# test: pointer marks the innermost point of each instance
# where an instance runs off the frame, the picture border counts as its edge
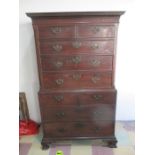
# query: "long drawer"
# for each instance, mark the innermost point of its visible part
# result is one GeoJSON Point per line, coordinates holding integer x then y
{"type": "Point", "coordinates": [85, 97]}
{"type": "Point", "coordinates": [79, 129]}
{"type": "Point", "coordinates": [105, 47]}
{"type": "Point", "coordinates": [76, 80]}
{"type": "Point", "coordinates": [76, 62]}
{"type": "Point", "coordinates": [78, 112]}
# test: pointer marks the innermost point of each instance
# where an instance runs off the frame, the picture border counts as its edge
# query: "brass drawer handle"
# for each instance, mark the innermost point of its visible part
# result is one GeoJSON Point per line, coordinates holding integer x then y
{"type": "Point", "coordinates": [57, 47]}
{"type": "Point", "coordinates": [59, 81]}
{"type": "Point", "coordinates": [60, 114]}
{"type": "Point", "coordinates": [95, 29]}
{"type": "Point", "coordinates": [98, 113]}
{"type": "Point", "coordinates": [97, 97]}
{"type": "Point", "coordinates": [61, 130]}
{"type": "Point", "coordinates": [58, 64]}
{"type": "Point", "coordinates": [95, 46]}
{"type": "Point", "coordinates": [58, 98]}
{"type": "Point", "coordinates": [76, 59]}
{"type": "Point", "coordinates": [96, 62]}
{"type": "Point", "coordinates": [76, 44]}
{"type": "Point", "coordinates": [97, 129]}
{"type": "Point", "coordinates": [56, 29]}
{"type": "Point", "coordinates": [95, 79]}
{"type": "Point", "coordinates": [79, 125]}
{"type": "Point", "coordinates": [76, 76]}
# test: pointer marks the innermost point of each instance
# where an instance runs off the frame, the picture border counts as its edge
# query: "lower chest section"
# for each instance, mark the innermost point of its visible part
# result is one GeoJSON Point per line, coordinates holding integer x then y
{"type": "Point", "coordinates": [78, 114]}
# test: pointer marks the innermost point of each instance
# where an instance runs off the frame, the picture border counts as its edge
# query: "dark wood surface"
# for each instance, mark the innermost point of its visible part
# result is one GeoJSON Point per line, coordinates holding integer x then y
{"type": "Point", "coordinates": [76, 62]}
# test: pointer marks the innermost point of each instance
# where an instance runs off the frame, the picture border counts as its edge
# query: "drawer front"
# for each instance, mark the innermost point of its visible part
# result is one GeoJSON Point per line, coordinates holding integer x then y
{"type": "Point", "coordinates": [79, 112]}
{"type": "Point", "coordinates": [75, 80]}
{"type": "Point", "coordinates": [79, 129]}
{"type": "Point", "coordinates": [57, 31]}
{"type": "Point", "coordinates": [75, 62]}
{"type": "Point", "coordinates": [102, 31]}
{"type": "Point", "coordinates": [71, 47]}
{"type": "Point", "coordinates": [70, 98]}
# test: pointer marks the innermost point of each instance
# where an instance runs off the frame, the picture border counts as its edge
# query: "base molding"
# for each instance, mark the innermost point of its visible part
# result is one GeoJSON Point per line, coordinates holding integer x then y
{"type": "Point", "coordinates": [111, 141]}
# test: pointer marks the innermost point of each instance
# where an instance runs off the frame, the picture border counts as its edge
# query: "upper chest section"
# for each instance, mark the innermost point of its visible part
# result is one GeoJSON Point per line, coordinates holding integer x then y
{"type": "Point", "coordinates": [75, 25]}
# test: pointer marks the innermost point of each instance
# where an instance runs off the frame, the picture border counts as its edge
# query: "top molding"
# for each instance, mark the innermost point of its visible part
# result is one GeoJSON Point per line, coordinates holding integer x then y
{"type": "Point", "coordinates": [69, 14]}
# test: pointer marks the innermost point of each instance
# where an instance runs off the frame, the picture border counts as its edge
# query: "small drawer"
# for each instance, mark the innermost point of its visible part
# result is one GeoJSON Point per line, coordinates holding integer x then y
{"type": "Point", "coordinates": [73, 98]}
{"type": "Point", "coordinates": [105, 47]}
{"type": "Point", "coordinates": [79, 129]}
{"type": "Point", "coordinates": [98, 31]}
{"type": "Point", "coordinates": [56, 31]}
{"type": "Point", "coordinates": [76, 62]}
{"type": "Point", "coordinates": [79, 112]}
{"type": "Point", "coordinates": [76, 80]}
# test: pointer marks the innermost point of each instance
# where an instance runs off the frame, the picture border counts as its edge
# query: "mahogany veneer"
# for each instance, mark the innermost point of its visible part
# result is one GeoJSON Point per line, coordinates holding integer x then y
{"type": "Point", "coordinates": [76, 62]}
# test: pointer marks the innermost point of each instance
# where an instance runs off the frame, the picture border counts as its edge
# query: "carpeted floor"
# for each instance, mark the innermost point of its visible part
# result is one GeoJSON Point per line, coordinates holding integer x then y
{"type": "Point", "coordinates": [30, 145]}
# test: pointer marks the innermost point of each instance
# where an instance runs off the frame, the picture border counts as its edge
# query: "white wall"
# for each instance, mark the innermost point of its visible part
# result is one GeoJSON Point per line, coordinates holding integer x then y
{"type": "Point", "coordinates": [125, 61]}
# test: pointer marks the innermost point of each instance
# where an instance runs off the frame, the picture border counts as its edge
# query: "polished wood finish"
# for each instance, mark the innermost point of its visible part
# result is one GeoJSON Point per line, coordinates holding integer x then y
{"type": "Point", "coordinates": [76, 63]}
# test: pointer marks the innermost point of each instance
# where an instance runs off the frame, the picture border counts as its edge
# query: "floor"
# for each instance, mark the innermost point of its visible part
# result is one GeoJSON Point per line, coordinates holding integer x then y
{"type": "Point", "coordinates": [30, 145]}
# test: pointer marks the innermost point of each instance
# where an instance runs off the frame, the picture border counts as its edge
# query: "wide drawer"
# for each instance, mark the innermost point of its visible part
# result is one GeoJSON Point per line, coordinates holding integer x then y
{"type": "Point", "coordinates": [78, 112]}
{"type": "Point", "coordinates": [79, 129]}
{"type": "Point", "coordinates": [61, 98]}
{"type": "Point", "coordinates": [105, 47]}
{"type": "Point", "coordinates": [75, 62]}
{"type": "Point", "coordinates": [76, 80]}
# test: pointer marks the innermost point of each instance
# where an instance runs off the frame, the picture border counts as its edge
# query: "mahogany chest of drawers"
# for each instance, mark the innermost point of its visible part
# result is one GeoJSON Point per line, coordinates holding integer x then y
{"type": "Point", "coordinates": [76, 62]}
